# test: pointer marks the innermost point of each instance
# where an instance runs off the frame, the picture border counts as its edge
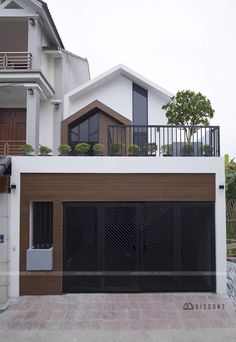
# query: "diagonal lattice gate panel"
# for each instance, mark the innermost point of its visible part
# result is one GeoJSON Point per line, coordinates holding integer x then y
{"type": "Point", "coordinates": [197, 247]}
{"type": "Point", "coordinates": [80, 248]}
{"type": "Point", "coordinates": [158, 247]}
{"type": "Point", "coordinates": [117, 247]}
{"type": "Point", "coordinates": [120, 248]}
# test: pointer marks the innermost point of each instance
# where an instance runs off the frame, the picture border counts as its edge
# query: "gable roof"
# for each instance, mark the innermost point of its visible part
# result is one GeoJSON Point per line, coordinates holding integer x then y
{"type": "Point", "coordinates": [45, 9]}
{"type": "Point", "coordinates": [118, 70]}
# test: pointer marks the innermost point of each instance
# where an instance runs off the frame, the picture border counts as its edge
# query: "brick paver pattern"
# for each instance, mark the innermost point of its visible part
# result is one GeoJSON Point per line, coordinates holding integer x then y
{"type": "Point", "coordinates": [137, 312]}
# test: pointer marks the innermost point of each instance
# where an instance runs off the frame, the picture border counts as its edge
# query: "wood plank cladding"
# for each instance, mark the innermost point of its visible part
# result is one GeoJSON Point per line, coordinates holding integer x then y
{"type": "Point", "coordinates": [61, 188]}
{"type": "Point", "coordinates": [100, 107]}
{"type": "Point", "coordinates": [4, 184]}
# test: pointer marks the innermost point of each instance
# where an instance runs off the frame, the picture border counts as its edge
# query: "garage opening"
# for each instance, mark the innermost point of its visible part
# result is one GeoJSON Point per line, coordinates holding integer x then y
{"type": "Point", "coordinates": [139, 247]}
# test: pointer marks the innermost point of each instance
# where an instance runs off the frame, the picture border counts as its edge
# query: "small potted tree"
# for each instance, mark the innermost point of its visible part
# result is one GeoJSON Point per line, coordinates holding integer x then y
{"type": "Point", "coordinates": [26, 149]}
{"type": "Point", "coordinates": [64, 149]}
{"type": "Point", "coordinates": [82, 149]}
{"type": "Point", "coordinates": [133, 150]}
{"type": "Point", "coordinates": [98, 150]}
{"type": "Point", "coordinates": [167, 150]}
{"type": "Point", "coordinates": [187, 150]}
{"type": "Point", "coordinates": [207, 150]}
{"type": "Point", "coordinates": [116, 149]}
{"type": "Point", "coordinates": [44, 150]}
{"type": "Point", "coordinates": [150, 148]}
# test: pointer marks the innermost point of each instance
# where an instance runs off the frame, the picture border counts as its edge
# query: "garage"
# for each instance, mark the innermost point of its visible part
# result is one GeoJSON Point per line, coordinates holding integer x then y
{"type": "Point", "coordinates": [138, 247]}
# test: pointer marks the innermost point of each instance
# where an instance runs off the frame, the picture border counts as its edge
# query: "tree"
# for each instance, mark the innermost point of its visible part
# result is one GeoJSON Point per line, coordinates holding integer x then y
{"type": "Point", "coordinates": [188, 108]}
{"type": "Point", "coordinates": [230, 178]}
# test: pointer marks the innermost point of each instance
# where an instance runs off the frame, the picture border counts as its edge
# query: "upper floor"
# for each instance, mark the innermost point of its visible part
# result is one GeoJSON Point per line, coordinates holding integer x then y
{"type": "Point", "coordinates": [47, 97]}
{"type": "Point", "coordinates": [31, 48]}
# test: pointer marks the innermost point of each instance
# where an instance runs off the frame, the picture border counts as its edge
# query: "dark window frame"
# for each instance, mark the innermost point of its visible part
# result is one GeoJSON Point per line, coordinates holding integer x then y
{"type": "Point", "coordinates": [141, 91]}
{"type": "Point", "coordinates": [77, 123]}
{"type": "Point", "coordinates": [140, 134]}
{"type": "Point", "coordinates": [42, 224]}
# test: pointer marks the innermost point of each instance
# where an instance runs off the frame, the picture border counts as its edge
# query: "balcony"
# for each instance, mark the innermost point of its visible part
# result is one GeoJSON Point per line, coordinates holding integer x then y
{"type": "Point", "coordinates": [11, 148]}
{"type": "Point", "coordinates": [164, 141]}
{"type": "Point", "coordinates": [15, 61]}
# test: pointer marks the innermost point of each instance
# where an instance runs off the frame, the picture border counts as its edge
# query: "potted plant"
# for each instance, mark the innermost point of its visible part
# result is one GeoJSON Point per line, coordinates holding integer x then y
{"type": "Point", "coordinates": [150, 148]}
{"type": "Point", "coordinates": [187, 150]}
{"type": "Point", "coordinates": [167, 150]}
{"type": "Point", "coordinates": [82, 149]}
{"type": "Point", "coordinates": [133, 149]}
{"type": "Point", "coordinates": [64, 149]}
{"type": "Point", "coordinates": [26, 149]}
{"type": "Point", "coordinates": [117, 148]}
{"type": "Point", "coordinates": [44, 150]}
{"type": "Point", "coordinates": [98, 150]}
{"type": "Point", "coordinates": [207, 150]}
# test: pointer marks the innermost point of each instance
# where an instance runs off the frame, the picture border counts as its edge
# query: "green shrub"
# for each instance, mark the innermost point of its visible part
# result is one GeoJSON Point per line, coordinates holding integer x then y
{"type": "Point", "coordinates": [44, 150]}
{"type": "Point", "coordinates": [117, 148]}
{"type": "Point", "coordinates": [64, 149]}
{"type": "Point", "coordinates": [26, 149]}
{"type": "Point", "coordinates": [167, 149]}
{"type": "Point", "coordinates": [133, 149]}
{"type": "Point", "coordinates": [150, 148]}
{"type": "Point", "coordinates": [82, 148]}
{"type": "Point", "coordinates": [98, 149]}
{"type": "Point", "coordinates": [207, 150]}
{"type": "Point", "coordinates": [187, 150]}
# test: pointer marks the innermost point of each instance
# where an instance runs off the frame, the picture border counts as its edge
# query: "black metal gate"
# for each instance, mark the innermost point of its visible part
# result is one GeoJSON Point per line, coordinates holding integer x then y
{"type": "Point", "coordinates": [138, 247]}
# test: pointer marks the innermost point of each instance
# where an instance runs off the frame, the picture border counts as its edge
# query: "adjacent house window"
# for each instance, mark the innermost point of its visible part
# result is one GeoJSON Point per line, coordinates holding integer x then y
{"type": "Point", "coordinates": [140, 115]}
{"type": "Point", "coordinates": [42, 225]}
{"type": "Point", "coordinates": [86, 130]}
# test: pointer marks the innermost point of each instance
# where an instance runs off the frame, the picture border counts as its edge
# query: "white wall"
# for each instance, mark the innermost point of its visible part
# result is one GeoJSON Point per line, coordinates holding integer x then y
{"type": "Point", "coordinates": [116, 94]}
{"type": "Point", "coordinates": [46, 117]}
{"type": "Point", "coordinates": [156, 116]}
{"type": "Point", "coordinates": [4, 248]}
{"type": "Point", "coordinates": [119, 165]}
{"type": "Point", "coordinates": [75, 71]}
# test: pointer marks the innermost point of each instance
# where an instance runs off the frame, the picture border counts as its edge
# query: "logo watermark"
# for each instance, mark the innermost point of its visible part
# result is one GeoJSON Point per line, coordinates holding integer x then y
{"type": "Point", "coordinates": [206, 306]}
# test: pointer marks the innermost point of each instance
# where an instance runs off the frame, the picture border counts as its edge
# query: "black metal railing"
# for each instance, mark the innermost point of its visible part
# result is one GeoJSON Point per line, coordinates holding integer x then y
{"type": "Point", "coordinates": [166, 140]}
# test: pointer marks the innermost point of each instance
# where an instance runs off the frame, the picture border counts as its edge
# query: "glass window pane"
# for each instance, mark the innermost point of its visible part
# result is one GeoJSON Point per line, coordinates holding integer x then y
{"type": "Point", "coordinates": [84, 127]}
{"type": "Point", "coordinates": [93, 124]}
{"type": "Point", "coordinates": [140, 112]}
{"type": "Point", "coordinates": [86, 131]}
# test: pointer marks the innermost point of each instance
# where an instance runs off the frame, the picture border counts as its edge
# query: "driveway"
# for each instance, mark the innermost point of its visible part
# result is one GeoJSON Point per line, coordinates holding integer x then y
{"type": "Point", "coordinates": [120, 317]}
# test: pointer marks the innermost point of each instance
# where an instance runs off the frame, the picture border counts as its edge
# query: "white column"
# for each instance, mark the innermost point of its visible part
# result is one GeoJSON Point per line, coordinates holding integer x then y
{"type": "Point", "coordinates": [34, 43]}
{"type": "Point", "coordinates": [57, 128]}
{"type": "Point", "coordinates": [32, 119]}
{"type": "Point", "coordinates": [220, 231]}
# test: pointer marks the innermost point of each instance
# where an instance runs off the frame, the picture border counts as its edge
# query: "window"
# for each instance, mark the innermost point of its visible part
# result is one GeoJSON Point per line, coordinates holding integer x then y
{"type": "Point", "coordinates": [85, 131]}
{"type": "Point", "coordinates": [42, 225]}
{"type": "Point", "coordinates": [13, 5]}
{"type": "Point", "coordinates": [140, 115]}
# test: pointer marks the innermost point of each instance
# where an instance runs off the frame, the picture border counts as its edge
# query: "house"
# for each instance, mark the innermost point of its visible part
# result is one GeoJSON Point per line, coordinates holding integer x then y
{"type": "Point", "coordinates": [143, 217]}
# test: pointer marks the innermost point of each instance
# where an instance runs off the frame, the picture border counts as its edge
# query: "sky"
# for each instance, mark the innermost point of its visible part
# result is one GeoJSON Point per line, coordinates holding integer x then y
{"type": "Point", "coordinates": [178, 44]}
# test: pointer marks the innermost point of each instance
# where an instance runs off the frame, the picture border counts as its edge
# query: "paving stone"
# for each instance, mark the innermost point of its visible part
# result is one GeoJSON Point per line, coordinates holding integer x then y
{"type": "Point", "coordinates": [117, 312]}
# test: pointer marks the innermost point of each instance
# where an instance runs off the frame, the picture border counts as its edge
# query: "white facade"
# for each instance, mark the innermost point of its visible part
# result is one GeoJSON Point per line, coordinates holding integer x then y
{"type": "Point", "coordinates": [61, 86]}
{"type": "Point", "coordinates": [118, 165]}
{"type": "Point", "coordinates": [114, 89]}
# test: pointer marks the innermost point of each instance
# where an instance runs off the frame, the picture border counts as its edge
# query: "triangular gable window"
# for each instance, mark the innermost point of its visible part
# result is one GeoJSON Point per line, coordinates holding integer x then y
{"type": "Point", "coordinates": [13, 5]}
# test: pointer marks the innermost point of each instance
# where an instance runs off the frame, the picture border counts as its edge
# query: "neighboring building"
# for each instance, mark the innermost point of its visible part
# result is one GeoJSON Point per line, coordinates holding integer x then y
{"type": "Point", "coordinates": [143, 217]}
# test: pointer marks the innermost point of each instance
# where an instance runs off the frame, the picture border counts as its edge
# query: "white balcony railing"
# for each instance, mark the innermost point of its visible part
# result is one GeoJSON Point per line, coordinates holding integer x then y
{"type": "Point", "coordinates": [15, 60]}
